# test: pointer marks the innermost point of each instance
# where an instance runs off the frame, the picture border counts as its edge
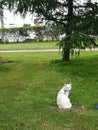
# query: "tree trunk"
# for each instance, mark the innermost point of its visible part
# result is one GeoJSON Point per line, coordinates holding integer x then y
{"type": "Point", "coordinates": [66, 55]}
{"type": "Point", "coordinates": [2, 25]}
{"type": "Point", "coordinates": [66, 52]}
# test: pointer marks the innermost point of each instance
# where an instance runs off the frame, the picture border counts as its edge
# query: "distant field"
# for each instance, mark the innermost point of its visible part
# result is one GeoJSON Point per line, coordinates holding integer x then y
{"type": "Point", "coordinates": [28, 88]}
{"type": "Point", "coordinates": [29, 46]}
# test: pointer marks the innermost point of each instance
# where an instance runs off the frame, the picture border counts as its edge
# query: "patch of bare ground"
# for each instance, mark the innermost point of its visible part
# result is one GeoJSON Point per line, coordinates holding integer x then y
{"type": "Point", "coordinates": [77, 109]}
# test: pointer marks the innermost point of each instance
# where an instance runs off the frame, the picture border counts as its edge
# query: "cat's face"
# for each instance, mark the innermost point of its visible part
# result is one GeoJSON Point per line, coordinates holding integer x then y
{"type": "Point", "coordinates": [67, 87]}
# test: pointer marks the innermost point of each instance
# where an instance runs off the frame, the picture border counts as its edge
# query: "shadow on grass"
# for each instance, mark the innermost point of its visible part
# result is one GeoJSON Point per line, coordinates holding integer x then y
{"type": "Point", "coordinates": [84, 67]}
{"type": "Point", "coordinates": [5, 61]}
{"type": "Point", "coordinates": [4, 65]}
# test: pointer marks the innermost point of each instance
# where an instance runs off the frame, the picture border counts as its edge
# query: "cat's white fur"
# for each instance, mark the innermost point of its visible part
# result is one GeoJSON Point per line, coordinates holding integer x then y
{"type": "Point", "coordinates": [63, 100]}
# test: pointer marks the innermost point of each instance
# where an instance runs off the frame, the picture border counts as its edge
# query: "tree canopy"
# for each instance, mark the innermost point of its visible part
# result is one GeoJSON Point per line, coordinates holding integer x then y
{"type": "Point", "coordinates": [79, 18]}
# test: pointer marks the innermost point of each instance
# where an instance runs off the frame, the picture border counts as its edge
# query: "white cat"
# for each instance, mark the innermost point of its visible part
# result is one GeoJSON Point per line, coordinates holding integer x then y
{"type": "Point", "coordinates": [63, 100]}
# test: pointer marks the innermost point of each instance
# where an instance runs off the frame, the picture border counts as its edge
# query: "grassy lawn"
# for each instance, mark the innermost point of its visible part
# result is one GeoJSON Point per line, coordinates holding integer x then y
{"type": "Point", "coordinates": [29, 85]}
{"type": "Point", "coordinates": [29, 46]}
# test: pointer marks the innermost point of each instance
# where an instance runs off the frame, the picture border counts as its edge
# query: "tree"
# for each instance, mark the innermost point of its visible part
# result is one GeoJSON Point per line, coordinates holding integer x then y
{"type": "Point", "coordinates": [78, 18]}
{"type": "Point", "coordinates": [2, 21]}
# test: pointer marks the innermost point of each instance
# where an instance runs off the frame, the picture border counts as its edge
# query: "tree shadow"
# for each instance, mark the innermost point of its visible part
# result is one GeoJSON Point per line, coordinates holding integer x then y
{"type": "Point", "coordinates": [84, 67]}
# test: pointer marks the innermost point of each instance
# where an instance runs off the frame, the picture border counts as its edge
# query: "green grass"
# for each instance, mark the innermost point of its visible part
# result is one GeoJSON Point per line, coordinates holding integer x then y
{"type": "Point", "coordinates": [29, 46]}
{"type": "Point", "coordinates": [29, 85]}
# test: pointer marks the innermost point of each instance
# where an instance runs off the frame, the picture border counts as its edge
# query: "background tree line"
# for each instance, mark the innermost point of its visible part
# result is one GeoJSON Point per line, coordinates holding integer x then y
{"type": "Point", "coordinates": [23, 33]}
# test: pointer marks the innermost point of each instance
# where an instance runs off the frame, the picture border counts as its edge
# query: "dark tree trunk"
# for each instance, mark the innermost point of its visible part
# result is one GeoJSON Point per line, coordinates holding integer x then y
{"type": "Point", "coordinates": [66, 55]}
{"type": "Point", "coordinates": [66, 52]}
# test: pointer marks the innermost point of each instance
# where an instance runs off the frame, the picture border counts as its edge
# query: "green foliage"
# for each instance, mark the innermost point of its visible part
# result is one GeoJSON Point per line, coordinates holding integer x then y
{"type": "Point", "coordinates": [91, 18]}
{"type": "Point", "coordinates": [76, 42]}
{"type": "Point", "coordinates": [21, 29]}
{"type": "Point", "coordinates": [79, 41]}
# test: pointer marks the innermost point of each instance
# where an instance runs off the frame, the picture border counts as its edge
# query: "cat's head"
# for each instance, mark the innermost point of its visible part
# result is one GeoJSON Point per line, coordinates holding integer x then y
{"type": "Point", "coordinates": [67, 87]}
